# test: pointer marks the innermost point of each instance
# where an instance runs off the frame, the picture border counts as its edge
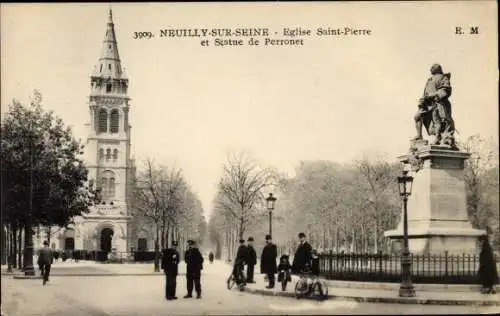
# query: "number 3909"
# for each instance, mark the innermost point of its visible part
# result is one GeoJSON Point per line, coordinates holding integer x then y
{"type": "Point", "coordinates": [139, 35]}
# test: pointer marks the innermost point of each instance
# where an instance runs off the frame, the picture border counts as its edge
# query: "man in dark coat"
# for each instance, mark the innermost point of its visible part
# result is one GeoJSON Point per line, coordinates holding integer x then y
{"type": "Point", "coordinates": [251, 260]}
{"type": "Point", "coordinates": [268, 261]}
{"type": "Point", "coordinates": [303, 255]}
{"type": "Point", "coordinates": [194, 265]}
{"type": "Point", "coordinates": [241, 257]}
{"type": "Point", "coordinates": [170, 264]}
{"type": "Point", "coordinates": [488, 274]}
{"type": "Point", "coordinates": [45, 259]}
{"type": "Point", "coordinates": [241, 254]}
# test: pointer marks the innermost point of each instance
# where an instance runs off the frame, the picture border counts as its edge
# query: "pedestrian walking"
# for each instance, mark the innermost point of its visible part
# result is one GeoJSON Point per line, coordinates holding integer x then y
{"type": "Point", "coordinates": [251, 260]}
{"type": "Point", "coordinates": [303, 255]}
{"type": "Point", "coordinates": [211, 257]}
{"type": "Point", "coordinates": [170, 265]}
{"type": "Point", "coordinates": [194, 265]}
{"type": "Point", "coordinates": [488, 274]}
{"type": "Point", "coordinates": [268, 261]}
{"type": "Point", "coordinates": [45, 260]}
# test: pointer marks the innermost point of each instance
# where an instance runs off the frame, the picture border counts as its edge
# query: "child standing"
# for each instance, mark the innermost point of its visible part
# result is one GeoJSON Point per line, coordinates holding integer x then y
{"type": "Point", "coordinates": [284, 271]}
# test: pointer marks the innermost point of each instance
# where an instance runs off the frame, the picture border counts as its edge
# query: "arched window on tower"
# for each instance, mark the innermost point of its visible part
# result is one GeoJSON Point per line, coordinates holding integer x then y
{"type": "Point", "coordinates": [103, 121]}
{"type": "Point", "coordinates": [103, 188]}
{"type": "Point", "coordinates": [115, 121]}
{"type": "Point", "coordinates": [115, 154]}
{"type": "Point", "coordinates": [108, 154]}
{"type": "Point", "coordinates": [108, 184]}
{"type": "Point", "coordinates": [111, 187]}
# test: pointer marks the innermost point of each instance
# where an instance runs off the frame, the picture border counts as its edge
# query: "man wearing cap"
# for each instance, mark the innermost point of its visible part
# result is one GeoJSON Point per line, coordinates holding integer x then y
{"type": "Point", "coordinates": [251, 260]}
{"type": "Point", "coordinates": [169, 264]}
{"type": "Point", "coordinates": [303, 255]}
{"type": "Point", "coordinates": [194, 265]}
{"type": "Point", "coordinates": [268, 261]}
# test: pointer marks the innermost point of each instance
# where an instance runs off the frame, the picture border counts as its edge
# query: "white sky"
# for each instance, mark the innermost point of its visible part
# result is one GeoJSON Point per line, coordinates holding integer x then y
{"type": "Point", "coordinates": [332, 99]}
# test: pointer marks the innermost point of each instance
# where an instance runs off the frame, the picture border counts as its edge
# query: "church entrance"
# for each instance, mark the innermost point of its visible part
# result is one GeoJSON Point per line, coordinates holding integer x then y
{"type": "Point", "coordinates": [106, 238]}
{"type": "Point", "coordinates": [142, 244]}
{"type": "Point", "coordinates": [69, 243]}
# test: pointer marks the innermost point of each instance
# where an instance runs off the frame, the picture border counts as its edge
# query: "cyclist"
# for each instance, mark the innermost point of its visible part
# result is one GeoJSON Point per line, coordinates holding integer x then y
{"type": "Point", "coordinates": [238, 271]}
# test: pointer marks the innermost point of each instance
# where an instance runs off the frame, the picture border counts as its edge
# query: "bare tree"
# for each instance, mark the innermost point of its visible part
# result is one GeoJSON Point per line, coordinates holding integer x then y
{"type": "Point", "coordinates": [481, 177]}
{"type": "Point", "coordinates": [241, 188]}
{"type": "Point", "coordinates": [379, 179]}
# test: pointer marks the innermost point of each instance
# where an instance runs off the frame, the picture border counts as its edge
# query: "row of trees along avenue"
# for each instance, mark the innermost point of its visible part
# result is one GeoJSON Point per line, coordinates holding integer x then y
{"type": "Point", "coordinates": [165, 201]}
{"type": "Point", "coordinates": [342, 207]}
{"type": "Point", "coordinates": [43, 177]}
{"type": "Point", "coordinates": [239, 208]}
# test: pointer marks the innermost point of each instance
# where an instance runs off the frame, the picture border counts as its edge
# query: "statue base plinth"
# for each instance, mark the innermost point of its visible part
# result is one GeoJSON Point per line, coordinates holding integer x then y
{"type": "Point", "coordinates": [437, 208]}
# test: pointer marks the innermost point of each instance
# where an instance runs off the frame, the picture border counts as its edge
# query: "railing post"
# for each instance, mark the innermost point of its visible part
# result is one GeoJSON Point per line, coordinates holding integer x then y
{"type": "Point", "coordinates": [380, 262]}
{"type": "Point", "coordinates": [463, 264]}
{"type": "Point", "coordinates": [330, 259]}
{"type": "Point", "coordinates": [446, 263]}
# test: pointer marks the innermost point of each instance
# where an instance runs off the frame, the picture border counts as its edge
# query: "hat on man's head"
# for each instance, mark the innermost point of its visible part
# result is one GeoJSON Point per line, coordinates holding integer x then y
{"type": "Point", "coordinates": [175, 243]}
{"type": "Point", "coordinates": [268, 237]}
{"type": "Point", "coordinates": [242, 241]}
{"type": "Point", "coordinates": [250, 238]}
{"type": "Point", "coordinates": [302, 235]}
{"type": "Point", "coordinates": [45, 243]}
{"type": "Point", "coordinates": [190, 242]}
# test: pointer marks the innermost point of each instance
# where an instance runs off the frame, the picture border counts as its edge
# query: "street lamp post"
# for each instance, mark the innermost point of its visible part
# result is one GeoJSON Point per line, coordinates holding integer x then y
{"type": "Point", "coordinates": [406, 288]}
{"type": "Point", "coordinates": [270, 206]}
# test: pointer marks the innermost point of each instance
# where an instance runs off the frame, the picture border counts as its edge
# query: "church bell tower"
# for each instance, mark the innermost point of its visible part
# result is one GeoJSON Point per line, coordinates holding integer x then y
{"type": "Point", "coordinates": [108, 150]}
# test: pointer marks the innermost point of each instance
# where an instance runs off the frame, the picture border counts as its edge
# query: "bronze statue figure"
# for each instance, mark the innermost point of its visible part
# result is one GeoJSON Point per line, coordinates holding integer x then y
{"type": "Point", "coordinates": [434, 109]}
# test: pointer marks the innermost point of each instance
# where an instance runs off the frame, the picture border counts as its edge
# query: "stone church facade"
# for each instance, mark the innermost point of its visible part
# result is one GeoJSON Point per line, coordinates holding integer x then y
{"type": "Point", "coordinates": [109, 226]}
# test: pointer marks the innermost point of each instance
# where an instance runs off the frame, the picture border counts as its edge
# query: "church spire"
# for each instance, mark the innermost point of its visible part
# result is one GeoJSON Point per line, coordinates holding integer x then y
{"type": "Point", "coordinates": [109, 61]}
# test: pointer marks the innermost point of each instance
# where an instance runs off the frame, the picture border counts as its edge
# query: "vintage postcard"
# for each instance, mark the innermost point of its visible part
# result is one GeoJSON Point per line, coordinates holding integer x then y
{"type": "Point", "coordinates": [250, 158]}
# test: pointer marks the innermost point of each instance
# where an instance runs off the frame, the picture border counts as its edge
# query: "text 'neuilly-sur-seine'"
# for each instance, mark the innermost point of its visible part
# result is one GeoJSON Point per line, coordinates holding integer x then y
{"type": "Point", "coordinates": [231, 37]}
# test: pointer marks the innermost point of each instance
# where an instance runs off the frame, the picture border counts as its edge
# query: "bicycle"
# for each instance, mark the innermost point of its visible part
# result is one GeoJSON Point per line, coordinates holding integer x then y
{"type": "Point", "coordinates": [231, 281]}
{"type": "Point", "coordinates": [310, 285]}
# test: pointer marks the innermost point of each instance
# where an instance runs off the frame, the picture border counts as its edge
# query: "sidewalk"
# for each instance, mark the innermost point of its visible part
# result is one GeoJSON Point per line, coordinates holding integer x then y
{"type": "Point", "coordinates": [376, 292]}
{"type": "Point", "coordinates": [90, 268]}
{"type": "Point", "coordinates": [367, 295]}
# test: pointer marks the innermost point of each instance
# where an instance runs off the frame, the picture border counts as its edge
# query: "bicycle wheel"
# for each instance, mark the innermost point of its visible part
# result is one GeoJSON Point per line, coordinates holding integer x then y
{"type": "Point", "coordinates": [241, 287]}
{"type": "Point", "coordinates": [320, 290]}
{"type": "Point", "coordinates": [230, 282]}
{"type": "Point", "coordinates": [301, 287]}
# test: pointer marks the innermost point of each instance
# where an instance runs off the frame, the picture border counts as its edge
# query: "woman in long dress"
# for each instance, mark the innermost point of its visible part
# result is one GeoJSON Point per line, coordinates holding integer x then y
{"type": "Point", "coordinates": [488, 274]}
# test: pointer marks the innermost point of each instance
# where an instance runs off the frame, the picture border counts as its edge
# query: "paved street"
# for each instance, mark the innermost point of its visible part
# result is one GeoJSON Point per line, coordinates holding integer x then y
{"type": "Point", "coordinates": [143, 295]}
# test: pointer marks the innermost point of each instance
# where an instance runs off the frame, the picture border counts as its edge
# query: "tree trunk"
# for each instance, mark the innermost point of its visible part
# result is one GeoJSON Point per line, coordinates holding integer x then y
{"type": "Point", "coordinates": [157, 248]}
{"type": "Point", "coordinates": [49, 233]}
{"type": "Point", "coordinates": [337, 237]}
{"type": "Point", "coordinates": [167, 236]}
{"type": "Point", "coordinates": [242, 227]}
{"type": "Point", "coordinates": [162, 234]}
{"type": "Point", "coordinates": [20, 242]}
{"type": "Point", "coordinates": [13, 236]}
{"type": "Point", "coordinates": [375, 236]}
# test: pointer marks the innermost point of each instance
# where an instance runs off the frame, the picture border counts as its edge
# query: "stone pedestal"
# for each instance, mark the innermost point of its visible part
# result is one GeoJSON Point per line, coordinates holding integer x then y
{"type": "Point", "coordinates": [437, 207]}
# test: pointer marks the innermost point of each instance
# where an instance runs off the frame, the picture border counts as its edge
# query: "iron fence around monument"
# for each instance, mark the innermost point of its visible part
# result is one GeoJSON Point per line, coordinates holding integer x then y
{"type": "Point", "coordinates": [380, 267]}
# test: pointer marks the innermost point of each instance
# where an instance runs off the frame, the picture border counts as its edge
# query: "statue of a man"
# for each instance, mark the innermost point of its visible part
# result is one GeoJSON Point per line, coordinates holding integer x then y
{"type": "Point", "coordinates": [434, 109]}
